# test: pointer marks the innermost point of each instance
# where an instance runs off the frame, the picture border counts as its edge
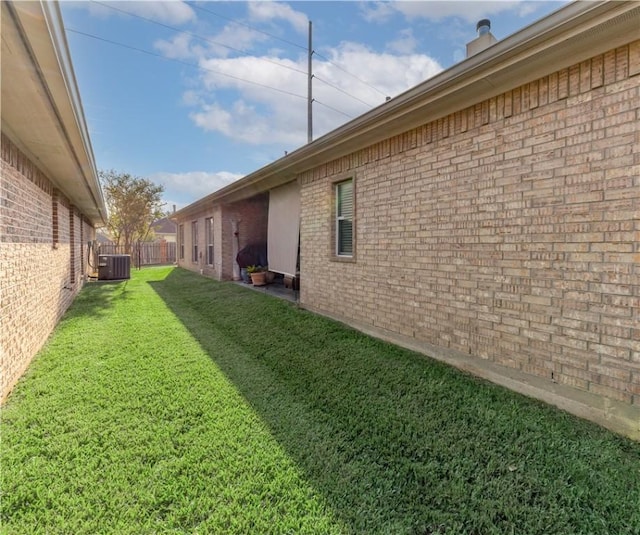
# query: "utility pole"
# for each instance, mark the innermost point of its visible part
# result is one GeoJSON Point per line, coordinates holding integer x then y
{"type": "Point", "coordinates": [309, 93]}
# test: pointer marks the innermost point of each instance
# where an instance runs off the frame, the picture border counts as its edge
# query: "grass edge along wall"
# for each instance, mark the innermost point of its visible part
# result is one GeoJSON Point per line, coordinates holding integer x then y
{"type": "Point", "coordinates": [43, 260]}
{"type": "Point", "coordinates": [50, 196]}
{"type": "Point", "coordinates": [505, 235]}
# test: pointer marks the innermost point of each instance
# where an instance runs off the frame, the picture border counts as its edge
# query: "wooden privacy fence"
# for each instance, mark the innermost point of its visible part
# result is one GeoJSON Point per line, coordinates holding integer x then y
{"type": "Point", "coordinates": [143, 254]}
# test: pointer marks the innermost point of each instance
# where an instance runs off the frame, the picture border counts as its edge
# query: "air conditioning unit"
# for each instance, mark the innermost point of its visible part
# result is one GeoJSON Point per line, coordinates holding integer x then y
{"type": "Point", "coordinates": [114, 267]}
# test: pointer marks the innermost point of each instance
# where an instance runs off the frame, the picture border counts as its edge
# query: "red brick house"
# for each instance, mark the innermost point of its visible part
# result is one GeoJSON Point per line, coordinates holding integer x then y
{"type": "Point", "coordinates": [50, 197]}
{"type": "Point", "coordinates": [489, 217]}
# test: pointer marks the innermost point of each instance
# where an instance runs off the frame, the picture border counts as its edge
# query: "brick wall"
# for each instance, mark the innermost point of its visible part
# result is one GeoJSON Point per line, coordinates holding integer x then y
{"type": "Point", "coordinates": [36, 282]}
{"type": "Point", "coordinates": [249, 217]}
{"type": "Point", "coordinates": [228, 242]}
{"type": "Point", "coordinates": [188, 262]}
{"type": "Point", "coordinates": [508, 231]}
{"type": "Point", "coordinates": [252, 216]}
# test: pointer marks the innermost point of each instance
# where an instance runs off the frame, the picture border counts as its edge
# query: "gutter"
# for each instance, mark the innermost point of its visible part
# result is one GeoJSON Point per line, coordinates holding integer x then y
{"type": "Point", "coordinates": [55, 24]}
{"type": "Point", "coordinates": [52, 18]}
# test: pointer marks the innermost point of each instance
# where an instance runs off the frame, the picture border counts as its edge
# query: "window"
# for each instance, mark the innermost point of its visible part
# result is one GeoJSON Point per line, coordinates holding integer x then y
{"type": "Point", "coordinates": [181, 241]}
{"type": "Point", "coordinates": [344, 218]}
{"type": "Point", "coordinates": [194, 241]}
{"type": "Point", "coordinates": [208, 229]}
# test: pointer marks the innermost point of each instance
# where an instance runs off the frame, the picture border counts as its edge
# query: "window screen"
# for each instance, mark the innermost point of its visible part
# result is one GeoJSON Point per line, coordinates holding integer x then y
{"type": "Point", "coordinates": [344, 218]}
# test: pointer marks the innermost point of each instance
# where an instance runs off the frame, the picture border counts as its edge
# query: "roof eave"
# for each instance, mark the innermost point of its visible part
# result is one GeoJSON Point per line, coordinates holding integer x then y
{"type": "Point", "coordinates": [42, 110]}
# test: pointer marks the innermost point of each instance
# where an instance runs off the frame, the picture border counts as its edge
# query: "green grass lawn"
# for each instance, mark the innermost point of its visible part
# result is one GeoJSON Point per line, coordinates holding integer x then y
{"type": "Point", "coordinates": [175, 404]}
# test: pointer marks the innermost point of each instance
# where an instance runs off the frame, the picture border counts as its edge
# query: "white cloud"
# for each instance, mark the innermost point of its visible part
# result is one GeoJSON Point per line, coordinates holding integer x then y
{"type": "Point", "coordinates": [262, 99]}
{"type": "Point", "coordinates": [184, 188]}
{"type": "Point", "coordinates": [406, 43]}
{"type": "Point", "coordinates": [256, 114]}
{"type": "Point", "coordinates": [390, 73]}
{"type": "Point", "coordinates": [236, 38]}
{"type": "Point", "coordinates": [468, 10]}
{"type": "Point", "coordinates": [242, 122]}
{"type": "Point", "coordinates": [174, 12]}
{"type": "Point", "coordinates": [232, 39]}
{"type": "Point", "coordinates": [248, 73]}
{"type": "Point", "coordinates": [177, 48]}
{"type": "Point", "coordinates": [259, 115]}
{"type": "Point", "coordinates": [212, 118]}
{"type": "Point", "coordinates": [191, 98]}
{"type": "Point", "coordinates": [377, 11]}
{"type": "Point", "coordinates": [269, 11]}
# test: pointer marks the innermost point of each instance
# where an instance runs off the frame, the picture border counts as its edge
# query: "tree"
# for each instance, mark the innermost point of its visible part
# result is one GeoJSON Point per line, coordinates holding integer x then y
{"type": "Point", "coordinates": [134, 203]}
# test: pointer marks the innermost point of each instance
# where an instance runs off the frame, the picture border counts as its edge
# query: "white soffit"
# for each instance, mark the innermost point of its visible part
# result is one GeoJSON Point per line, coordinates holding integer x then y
{"type": "Point", "coordinates": [41, 109]}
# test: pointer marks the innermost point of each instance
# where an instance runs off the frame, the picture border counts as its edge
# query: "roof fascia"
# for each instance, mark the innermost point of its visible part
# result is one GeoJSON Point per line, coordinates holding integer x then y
{"type": "Point", "coordinates": [59, 87]}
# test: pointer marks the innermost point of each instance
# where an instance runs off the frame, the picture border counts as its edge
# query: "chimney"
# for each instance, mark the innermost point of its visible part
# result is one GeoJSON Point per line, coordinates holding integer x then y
{"type": "Point", "coordinates": [484, 40]}
{"type": "Point", "coordinates": [174, 208]}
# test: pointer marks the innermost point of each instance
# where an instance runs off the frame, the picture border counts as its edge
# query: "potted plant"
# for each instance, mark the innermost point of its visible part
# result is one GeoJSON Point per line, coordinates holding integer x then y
{"type": "Point", "coordinates": [257, 274]}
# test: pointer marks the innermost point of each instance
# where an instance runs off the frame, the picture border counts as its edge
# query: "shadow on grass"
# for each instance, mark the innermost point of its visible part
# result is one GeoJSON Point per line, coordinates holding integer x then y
{"type": "Point", "coordinates": [398, 443]}
{"type": "Point", "coordinates": [98, 297]}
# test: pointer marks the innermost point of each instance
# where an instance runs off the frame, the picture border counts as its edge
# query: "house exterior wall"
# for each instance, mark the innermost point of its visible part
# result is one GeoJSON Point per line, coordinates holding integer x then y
{"type": "Point", "coordinates": [189, 262]}
{"type": "Point", "coordinates": [226, 238]}
{"type": "Point", "coordinates": [42, 264]}
{"type": "Point", "coordinates": [248, 217]}
{"type": "Point", "coordinates": [507, 232]}
{"type": "Point", "coordinates": [252, 216]}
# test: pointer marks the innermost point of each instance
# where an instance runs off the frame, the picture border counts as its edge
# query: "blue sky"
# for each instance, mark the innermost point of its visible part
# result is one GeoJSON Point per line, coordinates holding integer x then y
{"type": "Point", "coordinates": [194, 95]}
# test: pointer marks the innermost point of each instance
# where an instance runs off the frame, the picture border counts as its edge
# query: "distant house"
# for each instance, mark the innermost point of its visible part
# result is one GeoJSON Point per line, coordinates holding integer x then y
{"type": "Point", "coordinates": [165, 229]}
{"type": "Point", "coordinates": [487, 217]}
{"type": "Point", "coordinates": [50, 197]}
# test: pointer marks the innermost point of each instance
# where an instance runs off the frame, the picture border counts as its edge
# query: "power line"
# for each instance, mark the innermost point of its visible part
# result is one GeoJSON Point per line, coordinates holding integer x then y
{"type": "Point", "coordinates": [350, 74]}
{"type": "Point", "coordinates": [292, 44]}
{"type": "Point", "coordinates": [186, 32]}
{"type": "Point", "coordinates": [192, 4]}
{"type": "Point", "coordinates": [197, 66]}
{"type": "Point", "coordinates": [343, 91]}
{"type": "Point", "coordinates": [177, 30]}
{"type": "Point", "coordinates": [141, 50]}
{"type": "Point", "coordinates": [332, 108]}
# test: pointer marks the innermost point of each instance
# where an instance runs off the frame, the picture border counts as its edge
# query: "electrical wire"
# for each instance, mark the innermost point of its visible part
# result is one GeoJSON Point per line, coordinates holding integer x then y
{"type": "Point", "coordinates": [186, 32]}
{"type": "Point", "coordinates": [332, 108]}
{"type": "Point", "coordinates": [192, 4]}
{"type": "Point", "coordinates": [217, 43]}
{"type": "Point", "coordinates": [343, 91]}
{"type": "Point", "coordinates": [350, 74]}
{"type": "Point", "coordinates": [195, 65]}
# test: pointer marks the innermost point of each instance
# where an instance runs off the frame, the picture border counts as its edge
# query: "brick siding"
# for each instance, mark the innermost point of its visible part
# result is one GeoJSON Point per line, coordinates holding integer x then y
{"type": "Point", "coordinates": [508, 231]}
{"type": "Point", "coordinates": [37, 282]}
{"type": "Point", "coordinates": [250, 217]}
